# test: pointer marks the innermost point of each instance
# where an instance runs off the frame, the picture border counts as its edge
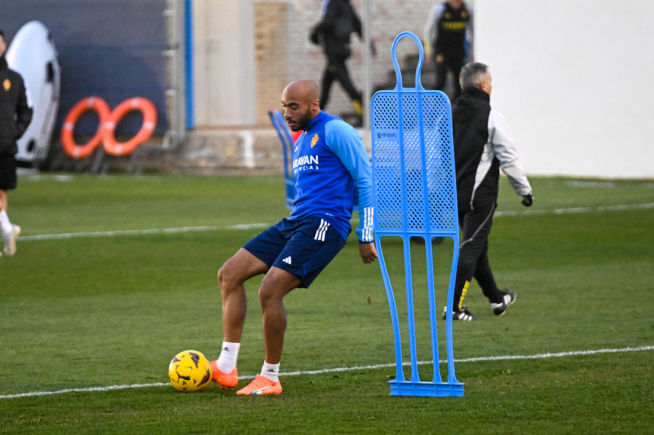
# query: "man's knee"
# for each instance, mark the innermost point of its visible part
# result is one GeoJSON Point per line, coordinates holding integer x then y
{"type": "Point", "coordinates": [228, 278]}
{"type": "Point", "coordinates": [269, 294]}
{"type": "Point", "coordinates": [469, 254]}
{"type": "Point", "coordinates": [221, 276]}
{"type": "Point", "coordinates": [275, 286]}
{"type": "Point", "coordinates": [265, 296]}
{"type": "Point", "coordinates": [466, 269]}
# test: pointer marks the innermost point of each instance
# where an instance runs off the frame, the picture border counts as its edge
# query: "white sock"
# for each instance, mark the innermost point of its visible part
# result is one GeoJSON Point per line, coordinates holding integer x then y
{"type": "Point", "coordinates": [270, 371]}
{"type": "Point", "coordinates": [5, 224]}
{"type": "Point", "coordinates": [228, 356]}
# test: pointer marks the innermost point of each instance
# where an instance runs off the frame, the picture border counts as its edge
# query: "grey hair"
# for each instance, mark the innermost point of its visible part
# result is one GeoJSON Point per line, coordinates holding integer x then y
{"type": "Point", "coordinates": [472, 75]}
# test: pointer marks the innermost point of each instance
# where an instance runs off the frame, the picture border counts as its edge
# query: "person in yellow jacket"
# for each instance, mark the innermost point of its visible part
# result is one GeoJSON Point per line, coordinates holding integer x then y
{"type": "Point", "coordinates": [448, 40]}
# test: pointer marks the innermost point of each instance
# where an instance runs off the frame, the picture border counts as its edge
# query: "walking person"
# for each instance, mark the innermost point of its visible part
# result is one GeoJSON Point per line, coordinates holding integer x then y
{"type": "Point", "coordinates": [15, 116]}
{"type": "Point", "coordinates": [483, 144]}
{"type": "Point", "coordinates": [448, 40]}
{"type": "Point", "coordinates": [332, 33]}
{"type": "Point", "coordinates": [329, 163]}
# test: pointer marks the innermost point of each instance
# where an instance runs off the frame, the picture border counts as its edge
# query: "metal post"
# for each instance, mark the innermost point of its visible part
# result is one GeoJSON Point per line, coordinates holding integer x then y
{"type": "Point", "coordinates": [367, 80]}
{"type": "Point", "coordinates": [175, 94]}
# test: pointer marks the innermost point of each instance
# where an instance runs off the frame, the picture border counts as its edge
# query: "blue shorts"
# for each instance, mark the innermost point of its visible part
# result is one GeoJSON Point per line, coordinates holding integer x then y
{"type": "Point", "coordinates": [301, 247]}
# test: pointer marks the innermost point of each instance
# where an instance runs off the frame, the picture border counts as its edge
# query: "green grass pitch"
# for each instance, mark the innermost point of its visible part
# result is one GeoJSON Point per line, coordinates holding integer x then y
{"type": "Point", "coordinates": [100, 311]}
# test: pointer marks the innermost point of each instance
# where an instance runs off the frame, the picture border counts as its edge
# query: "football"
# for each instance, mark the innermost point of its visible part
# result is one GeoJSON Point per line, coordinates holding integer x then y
{"type": "Point", "coordinates": [189, 371]}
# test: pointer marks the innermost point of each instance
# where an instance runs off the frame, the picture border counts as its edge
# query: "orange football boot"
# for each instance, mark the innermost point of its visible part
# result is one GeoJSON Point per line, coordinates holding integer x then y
{"type": "Point", "coordinates": [261, 385]}
{"type": "Point", "coordinates": [225, 380]}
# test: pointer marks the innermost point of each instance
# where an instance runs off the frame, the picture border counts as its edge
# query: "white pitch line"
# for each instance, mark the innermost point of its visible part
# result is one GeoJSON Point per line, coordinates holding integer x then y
{"type": "Point", "coordinates": [81, 390]}
{"type": "Point", "coordinates": [264, 225]}
{"type": "Point", "coordinates": [345, 369]}
{"type": "Point", "coordinates": [142, 232]}
{"type": "Point", "coordinates": [605, 184]}
{"type": "Point", "coordinates": [576, 210]}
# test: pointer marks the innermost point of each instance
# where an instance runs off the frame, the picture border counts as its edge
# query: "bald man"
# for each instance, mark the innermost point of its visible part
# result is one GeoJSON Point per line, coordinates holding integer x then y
{"type": "Point", "coordinates": [329, 163]}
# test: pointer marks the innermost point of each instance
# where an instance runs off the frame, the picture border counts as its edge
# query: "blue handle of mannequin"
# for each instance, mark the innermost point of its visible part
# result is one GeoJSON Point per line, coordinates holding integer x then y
{"type": "Point", "coordinates": [398, 72]}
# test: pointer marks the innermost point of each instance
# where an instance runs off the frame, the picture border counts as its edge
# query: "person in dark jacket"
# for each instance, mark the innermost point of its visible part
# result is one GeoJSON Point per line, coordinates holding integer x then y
{"type": "Point", "coordinates": [483, 144]}
{"type": "Point", "coordinates": [448, 40]}
{"type": "Point", "coordinates": [332, 33]}
{"type": "Point", "coordinates": [15, 116]}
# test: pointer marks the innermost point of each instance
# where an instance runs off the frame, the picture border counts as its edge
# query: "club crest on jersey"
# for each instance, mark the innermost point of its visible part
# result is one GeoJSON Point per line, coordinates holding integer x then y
{"type": "Point", "coordinates": [314, 140]}
{"type": "Point", "coordinates": [7, 85]}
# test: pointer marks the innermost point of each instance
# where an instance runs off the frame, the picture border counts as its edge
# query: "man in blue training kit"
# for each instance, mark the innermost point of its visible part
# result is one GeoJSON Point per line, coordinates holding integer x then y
{"type": "Point", "coordinates": [329, 163]}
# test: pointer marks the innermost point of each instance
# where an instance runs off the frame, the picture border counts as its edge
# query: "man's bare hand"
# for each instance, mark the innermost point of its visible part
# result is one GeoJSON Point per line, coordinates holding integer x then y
{"type": "Point", "coordinates": [368, 252]}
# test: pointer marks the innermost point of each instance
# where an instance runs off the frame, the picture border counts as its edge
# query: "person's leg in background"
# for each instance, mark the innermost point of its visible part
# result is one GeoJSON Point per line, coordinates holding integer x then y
{"type": "Point", "coordinates": [8, 181]}
{"type": "Point", "coordinates": [455, 63]}
{"type": "Point", "coordinates": [499, 299]}
{"type": "Point", "coordinates": [328, 78]}
{"type": "Point", "coordinates": [441, 71]}
{"type": "Point", "coordinates": [484, 276]}
{"type": "Point", "coordinates": [476, 225]}
{"type": "Point", "coordinates": [343, 76]}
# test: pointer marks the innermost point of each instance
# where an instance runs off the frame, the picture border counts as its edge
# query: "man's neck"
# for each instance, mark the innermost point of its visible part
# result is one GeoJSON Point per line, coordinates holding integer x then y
{"type": "Point", "coordinates": [312, 119]}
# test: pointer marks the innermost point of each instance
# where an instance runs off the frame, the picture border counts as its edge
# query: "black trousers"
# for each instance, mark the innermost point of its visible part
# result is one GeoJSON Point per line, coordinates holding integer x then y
{"type": "Point", "coordinates": [449, 62]}
{"type": "Point", "coordinates": [473, 255]}
{"type": "Point", "coordinates": [8, 167]}
{"type": "Point", "coordinates": [336, 70]}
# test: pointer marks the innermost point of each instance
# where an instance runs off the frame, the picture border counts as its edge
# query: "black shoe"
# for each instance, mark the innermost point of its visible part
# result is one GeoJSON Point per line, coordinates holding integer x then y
{"type": "Point", "coordinates": [462, 314]}
{"type": "Point", "coordinates": [500, 308]}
